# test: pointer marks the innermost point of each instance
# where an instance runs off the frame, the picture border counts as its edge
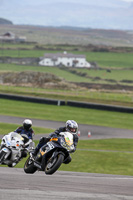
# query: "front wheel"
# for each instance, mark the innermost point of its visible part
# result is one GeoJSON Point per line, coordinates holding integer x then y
{"type": "Point", "coordinates": [29, 167]}
{"type": "Point", "coordinates": [2, 156]}
{"type": "Point", "coordinates": [53, 164]}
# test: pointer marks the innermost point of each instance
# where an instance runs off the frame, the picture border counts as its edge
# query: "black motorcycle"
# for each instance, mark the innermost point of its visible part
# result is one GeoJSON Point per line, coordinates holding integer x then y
{"type": "Point", "coordinates": [51, 155]}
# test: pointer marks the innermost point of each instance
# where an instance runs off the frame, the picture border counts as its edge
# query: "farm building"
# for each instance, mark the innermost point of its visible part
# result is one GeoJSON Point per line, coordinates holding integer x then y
{"type": "Point", "coordinates": [64, 59]}
{"type": "Point", "coordinates": [11, 37]}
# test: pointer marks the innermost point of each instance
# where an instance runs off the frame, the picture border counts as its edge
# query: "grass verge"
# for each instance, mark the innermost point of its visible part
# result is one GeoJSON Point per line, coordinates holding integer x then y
{"type": "Point", "coordinates": [7, 128]}
{"type": "Point", "coordinates": [103, 97]}
{"type": "Point", "coordinates": [63, 113]}
{"type": "Point", "coordinates": [120, 163]}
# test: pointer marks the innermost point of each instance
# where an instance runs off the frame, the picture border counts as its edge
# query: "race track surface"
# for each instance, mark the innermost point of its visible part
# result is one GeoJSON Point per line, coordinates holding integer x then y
{"type": "Point", "coordinates": [16, 185]}
{"type": "Point", "coordinates": [97, 132]}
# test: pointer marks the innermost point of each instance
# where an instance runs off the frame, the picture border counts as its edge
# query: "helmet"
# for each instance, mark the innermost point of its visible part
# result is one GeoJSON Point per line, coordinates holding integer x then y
{"type": "Point", "coordinates": [27, 123]}
{"type": "Point", "coordinates": [72, 126]}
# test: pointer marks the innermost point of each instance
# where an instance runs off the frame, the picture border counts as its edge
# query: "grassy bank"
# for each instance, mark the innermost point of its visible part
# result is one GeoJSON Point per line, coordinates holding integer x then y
{"type": "Point", "coordinates": [91, 161]}
{"type": "Point", "coordinates": [101, 162]}
{"type": "Point", "coordinates": [77, 75]}
{"type": "Point", "coordinates": [86, 159]}
{"type": "Point", "coordinates": [122, 97]}
{"type": "Point", "coordinates": [112, 98]}
{"type": "Point", "coordinates": [63, 113]}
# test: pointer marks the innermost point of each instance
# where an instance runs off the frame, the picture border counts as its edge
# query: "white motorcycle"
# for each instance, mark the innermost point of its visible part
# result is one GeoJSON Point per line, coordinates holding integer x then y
{"type": "Point", "coordinates": [14, 147]}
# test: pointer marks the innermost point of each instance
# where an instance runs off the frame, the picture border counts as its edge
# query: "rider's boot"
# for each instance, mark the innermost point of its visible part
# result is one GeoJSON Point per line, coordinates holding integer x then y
{"type": "Point", "coordinates": [34, 153]}
{"type": "Point", "coordinates": [42, 142]}
{"type": "Point", "coordinates": [24, 154]}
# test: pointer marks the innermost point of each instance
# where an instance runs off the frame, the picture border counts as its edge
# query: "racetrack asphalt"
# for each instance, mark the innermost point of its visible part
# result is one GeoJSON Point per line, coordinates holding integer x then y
{"type": "Point", "coordinates": [93, 131]}
{"type": "Point", "coordinates": [16, 185]}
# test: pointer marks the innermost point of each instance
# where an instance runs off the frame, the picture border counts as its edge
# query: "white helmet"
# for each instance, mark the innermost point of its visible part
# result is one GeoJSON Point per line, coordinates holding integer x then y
{"type": "Point", "coordinates": [72, 126]}
{"type": "Point", "coordinates": [27, 123]}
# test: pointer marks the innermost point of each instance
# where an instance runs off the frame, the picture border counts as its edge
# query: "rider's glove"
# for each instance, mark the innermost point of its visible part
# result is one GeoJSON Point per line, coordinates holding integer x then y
{"type": "Point", "coordinates": [56, 132]}
{"type": "Point", "coordinates": [27, 143]}
{"type": "Point", "coordinates": [44, 140]}
{"type": "Point", "coordinates": [73, 150]}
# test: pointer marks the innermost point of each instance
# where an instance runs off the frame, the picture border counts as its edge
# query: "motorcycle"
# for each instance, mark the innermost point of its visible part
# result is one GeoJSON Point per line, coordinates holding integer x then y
{"type": "Point", "coordinates": [51, 155]}
{"type": "Point", "coordinates": [14, 147]}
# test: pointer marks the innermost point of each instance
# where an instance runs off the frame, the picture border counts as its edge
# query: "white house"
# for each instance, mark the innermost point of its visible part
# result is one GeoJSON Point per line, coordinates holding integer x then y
{"type": "Point", "coordinates": [64, 59]}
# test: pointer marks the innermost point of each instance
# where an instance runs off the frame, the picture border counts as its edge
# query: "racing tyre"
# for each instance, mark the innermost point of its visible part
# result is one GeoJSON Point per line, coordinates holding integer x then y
{"type": "Point", "coordinates": [53, 164]}
{"type": "Point", "coordinates": [29, 167]}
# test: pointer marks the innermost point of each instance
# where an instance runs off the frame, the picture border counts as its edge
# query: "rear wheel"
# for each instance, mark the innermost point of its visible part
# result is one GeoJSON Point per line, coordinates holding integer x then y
{"type": "Point", "coordinates": [29, 167]}
{"type": "Point", "coordinates": [54, 164]}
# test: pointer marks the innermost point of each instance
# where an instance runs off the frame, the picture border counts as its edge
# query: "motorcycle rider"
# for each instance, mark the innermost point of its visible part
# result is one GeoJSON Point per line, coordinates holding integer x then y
{"type": "Point", "coordinates": [27, 130]}
{"type": "Point", "coordinates": [71, 126]}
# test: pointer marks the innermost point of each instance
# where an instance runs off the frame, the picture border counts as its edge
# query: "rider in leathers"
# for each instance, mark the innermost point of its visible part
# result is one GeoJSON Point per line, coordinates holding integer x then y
{"type": "Point", "coordinates": [27, 130]}
{"type": "Point", "coordinates": [71, 126]}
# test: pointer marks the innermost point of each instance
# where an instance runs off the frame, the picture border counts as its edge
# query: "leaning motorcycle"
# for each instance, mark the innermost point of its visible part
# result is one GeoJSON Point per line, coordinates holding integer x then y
{"type": "Point", "coordinates": [51, 155]}
{"type": "Point", "coordinates": [13, 148]}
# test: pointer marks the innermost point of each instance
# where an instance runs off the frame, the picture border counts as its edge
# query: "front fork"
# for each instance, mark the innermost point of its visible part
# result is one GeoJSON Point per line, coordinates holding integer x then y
{"type": "Point", "coordinates": [4, 153]}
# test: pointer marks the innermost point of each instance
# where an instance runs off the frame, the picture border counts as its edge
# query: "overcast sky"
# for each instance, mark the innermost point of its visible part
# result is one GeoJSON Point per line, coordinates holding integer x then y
{"type": "Point", "coordinates": [108, 14]}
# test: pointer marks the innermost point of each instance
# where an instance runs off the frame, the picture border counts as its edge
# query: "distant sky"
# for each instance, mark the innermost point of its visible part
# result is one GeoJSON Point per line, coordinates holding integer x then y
{"type": "Point", "coordinates": [128, 0]}
{"type": "Point", "coordinates": [108, 14]}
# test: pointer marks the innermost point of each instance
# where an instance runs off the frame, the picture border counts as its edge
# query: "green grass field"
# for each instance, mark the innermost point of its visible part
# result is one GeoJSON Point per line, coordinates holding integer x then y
{"type": "Point", "coordinates": [107, 97]}
{"type": "Point", "coordinates": [111, 59]}
{"type": "Point", "coordinates": [63, 113]}
{"type": "Point", "coordinates": [124, 99]}
{"type": "Point", "coordinates": [104, 59]}
{"type": "Point", "coordinates": [116, 75]}
{"type": "Point", "coordinates": [91, 161]}
{"type": "Point", "coordinates": [101, 162]}
{"type": "Point", "coordinates": [89, 157]}
{"type": "Point", "coordinates": [114, 61]}
{"type": "Point", "coordinates": [54, 70]}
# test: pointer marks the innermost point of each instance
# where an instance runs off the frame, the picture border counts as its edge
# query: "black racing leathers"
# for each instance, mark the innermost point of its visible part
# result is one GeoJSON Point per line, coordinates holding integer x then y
{"type": "Point", "coordinates": [56, 133]}
{"type": "Point", "coordinates": [63, 129]}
